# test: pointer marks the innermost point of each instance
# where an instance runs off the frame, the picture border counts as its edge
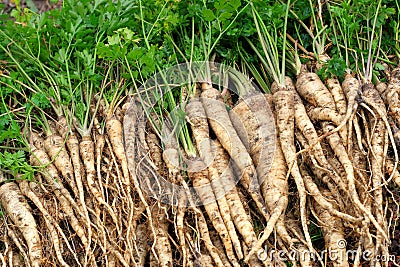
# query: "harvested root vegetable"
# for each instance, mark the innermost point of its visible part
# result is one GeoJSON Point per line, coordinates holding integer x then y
{"type": "Point", "coordinates": [223, 205]}
{"type": "Point", "coordinates": [254, 115]}
{"type": "Point", "coordinates": [238, 213]}
{"type": "Point", "coordinates": [205, 235]}
{"type": "Point", "coordinates": [221, 124]}
{"type": "Point", "coordinates": [73, 148]}
{"type": "Point", "coordinates": [202, 185]}
{"type": "Point", "coordinates": [198, 121]}
{"type": "Point", "coordinates": [314, 91]}
{"type": "Point", "coordinates": [378, 144]}
{"type": "Point", "coordinates": [197, 118]}
{"type": "Point", "coordinates": [352, 89]}
{"type": "Point", "coordinates": [66, 132]}
{"type": "Point", "coordinates": [67, 203]}
{"type": "Point", "coordinates": [304, 124]}
{"type": "Point", "coordinates": [54, 146]}
{"type": "Point", "coordinates": [284, 107]}
{"type": "Point", "coordinates": [275, 188]}
{"type": "Point", "coordinates": [50, 224]}
{"type": "Point", "coordinates": [162, 244]}
{"type": "Point", "coordinates": [156, 153]}
{"type": "Point", "coordinates": [324, 114]}
{"type": "Point", "coordinates": [333, 232]}
{"type": "Point", "coordinates": [139, 151]}
{"type": "Point", "coordinates": [315, 192]}
{"type": "Point", "coordinates": [86, 149]}
{"type": "Point", "coordinates": [326, 173]}
{"type": "Point", "coordinates": [142, 241]}
{"type": "Point", "coordinates": [393, 94]}
{"type": "Point", "coordinates": [114, 131]}
{"type": "Point", "coordinates": [341, 153]}
{"type": "Point", "coordinates": [253, 121]}
{"type": "Point", "coordinates": [40, 158]}
{"type": "Point", "coordinates": [16, 207]}
{"type": "Point", "coordinates": [338, 95]}
{"type": "Point", "coordinates": [72, 143]}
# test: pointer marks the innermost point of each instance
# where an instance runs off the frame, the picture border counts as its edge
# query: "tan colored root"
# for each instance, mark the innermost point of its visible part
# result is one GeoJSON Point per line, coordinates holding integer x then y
{"type": "Point", "coordinates": [52, 226]}
{"type": "Point", "coordinates": [378, 141]}
{"type": "Point", "coordinates": [175, 176]}
{"type": "Point", "coordinates": [40, 158]}
{"type": "Point", "coordinates": [162, 244]}
{"type": "Point", "coordinates": [156, 153]}
{"type": "Point", "coordinates": [373, 99]}
{"type": "Point", "coordinates": [239, 215]}
{"type": "Point", "coordinates": [205, 235]}
{"type": "Point", "coordinates": [306, 127]}
{"type": "Point", "coordinates": [136, 150]}
{"type": "Point", "coordinates": [73, 148]}
{"type": "Point", "coordinates": [54, 146]}
{"type": "Point", "coordinates": [180, 233]}
{"type": "Point", "coordinates": [251, 118]}
{"type": "Point", "coordinates": [352, 89]}
{"type": "Point", "coordinates": [276, 184]}
{"type": "Point", "coordinates": [330, 176]}
{"type": "Point", "coordinates": [336, 90]}
{"type": "Point", "coordinates": [315, 192]}
{"type": "Point", "coordinates": [142, 244]}
{"type": "Point", "coordinates": [86, 148]}
{"type": "Point", "coordinates": [341, 154]}
{"type": "Point", "coordinates": [202, 185]}
{"type": "Point", "coordinates": [275, 191]}
{"type": "Point", "coordinates": [114, 131]}
{"type": "Point", "coordinates": [389, 166]}
{"type": "Point", "coordinates": [15, 258]}
{"type": "Point", "coordinates": [100, 142]}
{"type": "Point", "coordinates": [218, 243]}
{"type": "Point", "coordinates": [15, 206]}
{"type": "Point", "coordinates": [224, 209]}
{"type": "Point", "coordinates": [197, 118]}
{"type": "Point", "coordinates": [313, 90]}
{"type": "Point", "coordinates": [284, 106]}
{"type": "Point", "coordinates": [198, 121]}
{"type": "Point", "coordinates": [222, 126]}
{"type": "Point", "coordinates": [393, 94]}
{"type": "Point", "coordinates": [324, 114]}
